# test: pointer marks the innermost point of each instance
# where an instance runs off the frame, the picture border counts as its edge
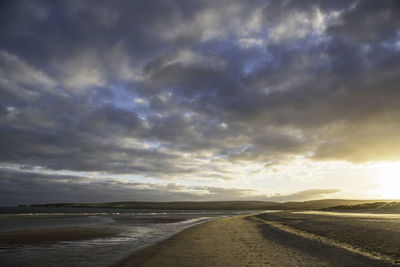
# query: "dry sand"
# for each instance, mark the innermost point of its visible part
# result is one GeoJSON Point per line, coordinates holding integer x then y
{"type": "Point", "coordinates": [244, 241]}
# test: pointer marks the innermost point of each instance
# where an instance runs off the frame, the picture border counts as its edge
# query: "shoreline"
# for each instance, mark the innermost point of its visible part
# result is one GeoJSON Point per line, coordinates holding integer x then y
{"type": "Point", "coordinates": [243, 241]}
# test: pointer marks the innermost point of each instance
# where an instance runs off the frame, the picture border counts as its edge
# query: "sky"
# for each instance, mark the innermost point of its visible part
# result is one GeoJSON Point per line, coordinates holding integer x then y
{"type": "Point", "coordinates": [199, 100]}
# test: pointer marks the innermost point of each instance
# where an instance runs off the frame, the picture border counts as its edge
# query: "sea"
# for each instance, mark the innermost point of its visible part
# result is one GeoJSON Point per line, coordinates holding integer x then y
{"type": "Point", "coordinates": [137, 229]}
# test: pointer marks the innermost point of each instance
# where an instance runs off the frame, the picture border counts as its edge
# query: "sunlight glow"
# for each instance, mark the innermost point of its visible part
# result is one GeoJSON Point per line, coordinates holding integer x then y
{"type": "Point", "coordinates": [390, 180]}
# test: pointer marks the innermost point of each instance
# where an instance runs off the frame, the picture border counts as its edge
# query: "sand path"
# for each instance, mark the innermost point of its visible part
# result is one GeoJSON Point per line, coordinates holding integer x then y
{"type": "Point", "coordinates": [242, 241]}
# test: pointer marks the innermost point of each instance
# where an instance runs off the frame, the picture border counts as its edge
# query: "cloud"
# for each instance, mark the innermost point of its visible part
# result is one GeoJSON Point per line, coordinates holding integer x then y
{"type": "Point", "coordinates": [369, 21]}
{"type": "Point", "coordinates": [309, 194]}
{"type": "Point", "coordinates": [298, 24]}
{"type": "Point", "coordinates": [18, 71]}
{"type": "Point", "coordinates": [179, 90]}
{"type": "Point", "coordinates": [30, 188]}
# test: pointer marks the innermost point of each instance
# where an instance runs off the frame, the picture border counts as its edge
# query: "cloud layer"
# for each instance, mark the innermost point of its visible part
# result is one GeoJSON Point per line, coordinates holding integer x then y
{"type": "Point", "coordinates": [194, 89]}
{"type": "Point", "coordinates": [25, 187]}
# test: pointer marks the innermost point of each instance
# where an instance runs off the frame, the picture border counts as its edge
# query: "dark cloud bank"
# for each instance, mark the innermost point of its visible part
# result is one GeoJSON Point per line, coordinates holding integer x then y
{"type": "Point", "coordinates": [24, 187]}
{"type": "Point", "coordinates": [157, 88]}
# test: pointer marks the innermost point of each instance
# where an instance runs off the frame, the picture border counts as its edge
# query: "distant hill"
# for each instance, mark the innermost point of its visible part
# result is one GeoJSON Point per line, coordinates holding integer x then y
{"type": "Point", "coordinates": [392, 206]}
{"type": "Point", "coordinates": [218, 205]}
{"type": "Point", "coordinates": [326, 203]}
{"type": "Point", "coordinates": [212, 205]}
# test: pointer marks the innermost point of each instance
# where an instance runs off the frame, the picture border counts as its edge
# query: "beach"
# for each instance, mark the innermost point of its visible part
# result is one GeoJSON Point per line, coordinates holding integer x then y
{"type": "Point", "coordinates": [253, 241]}
{"type": "Point", "coordinates": [88, 237]}
{"type": "Point", "coordinates": [199, 238]}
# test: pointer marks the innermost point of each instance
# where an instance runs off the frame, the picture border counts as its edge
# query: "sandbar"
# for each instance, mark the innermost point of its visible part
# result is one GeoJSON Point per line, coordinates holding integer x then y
{"type": "Point", "coordinates": [244, 241]}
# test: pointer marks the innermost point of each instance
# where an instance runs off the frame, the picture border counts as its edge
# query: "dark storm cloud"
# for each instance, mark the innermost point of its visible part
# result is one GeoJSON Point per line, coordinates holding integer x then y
{"type": "Point", "coordinates": [159, 87]}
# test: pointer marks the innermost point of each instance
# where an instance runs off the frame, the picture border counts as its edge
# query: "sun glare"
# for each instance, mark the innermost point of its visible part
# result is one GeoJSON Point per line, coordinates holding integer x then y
{"type": "Point", "coordinates": [390, 180]}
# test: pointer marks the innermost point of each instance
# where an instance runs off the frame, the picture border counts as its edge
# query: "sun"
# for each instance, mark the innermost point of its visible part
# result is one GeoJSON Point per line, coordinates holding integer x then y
{"type": "Point", "coordinates": [389, 179]}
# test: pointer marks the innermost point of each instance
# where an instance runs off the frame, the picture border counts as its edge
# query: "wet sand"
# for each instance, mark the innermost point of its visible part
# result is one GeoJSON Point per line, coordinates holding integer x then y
{"type": "Point", "coordinates": [246, 241]}
{"type": "Point", "coordinates": [44, 236]}
{"type": "Point", "coordinates": [51, 235]}
{"type": "Point", "coordinates": [374, 235]}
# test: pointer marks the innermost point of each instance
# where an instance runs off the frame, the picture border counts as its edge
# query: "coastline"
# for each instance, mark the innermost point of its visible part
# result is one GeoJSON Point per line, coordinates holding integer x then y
{"type": "Point", "coordinates": [243, 241]}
